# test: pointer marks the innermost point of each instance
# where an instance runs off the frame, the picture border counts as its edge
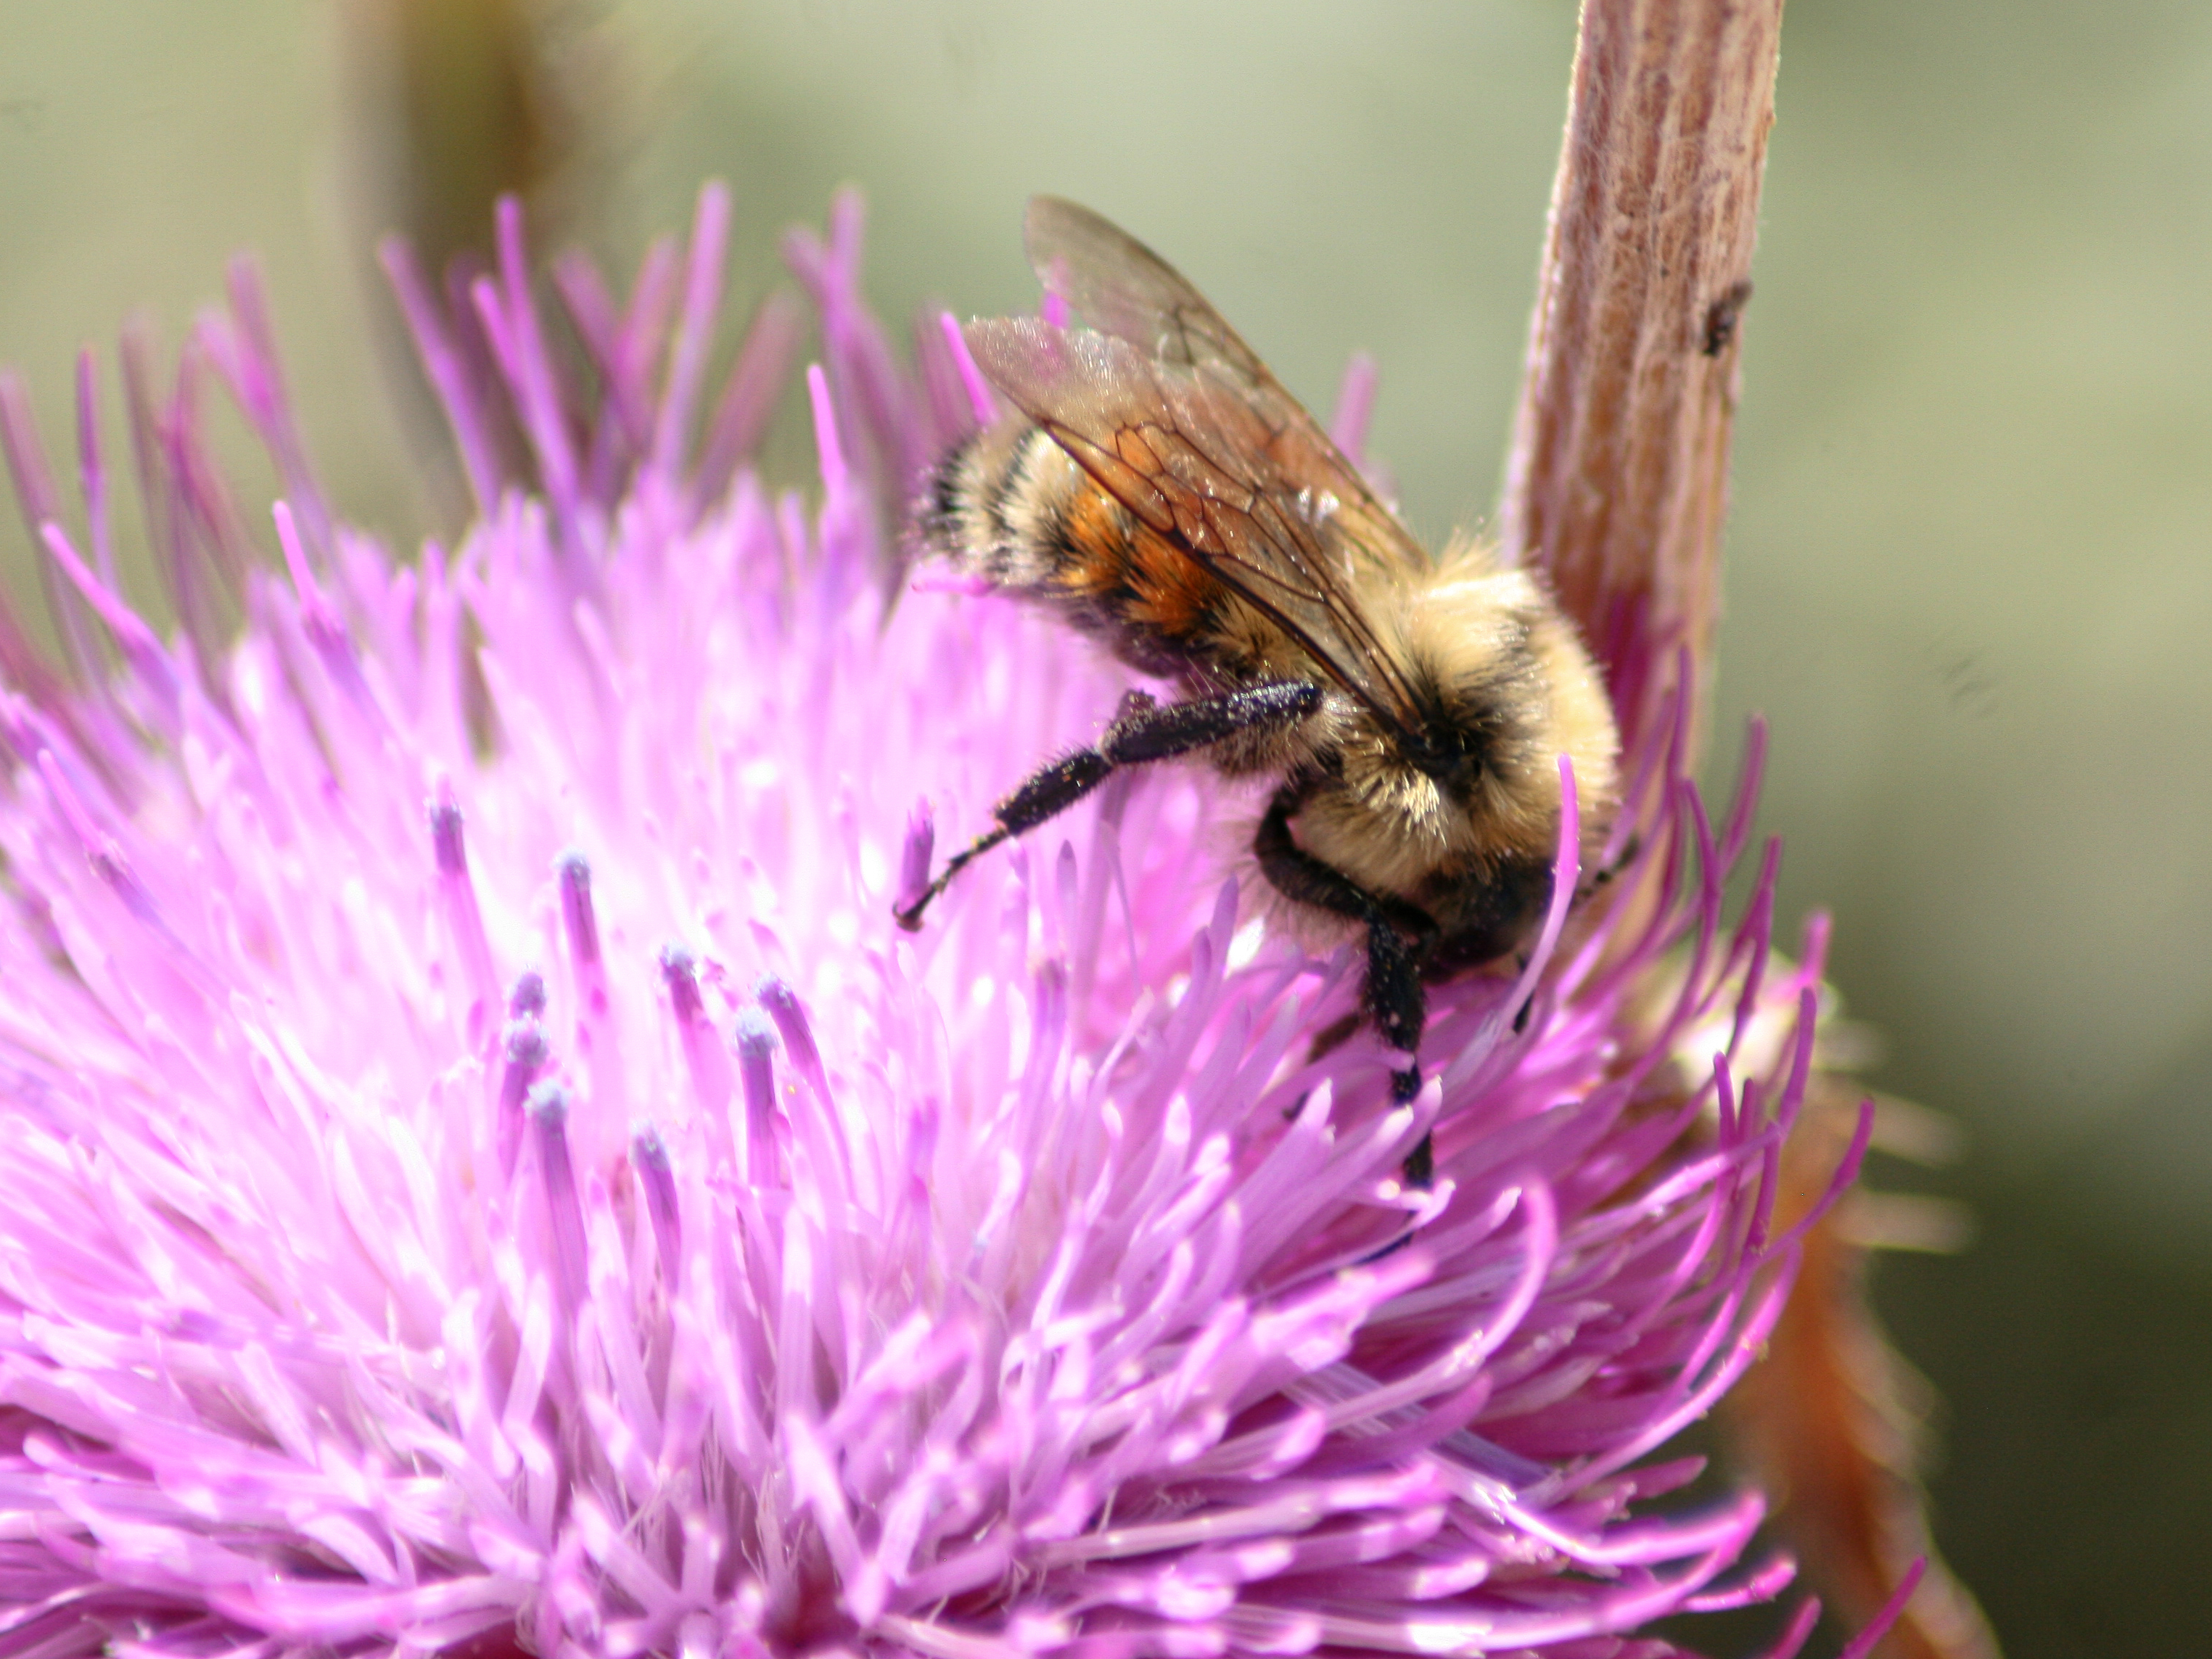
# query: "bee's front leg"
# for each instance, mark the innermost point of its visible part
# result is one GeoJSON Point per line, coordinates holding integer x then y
{"type": "Point", "coordinates": [1143, 731]}
{"type": "Point", "coordinates": [1398, 940]}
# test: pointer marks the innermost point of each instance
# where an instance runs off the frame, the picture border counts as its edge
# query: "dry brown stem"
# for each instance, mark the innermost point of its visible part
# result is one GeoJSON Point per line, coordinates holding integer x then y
{"type": "Point", "coordinates": [1617, 479]}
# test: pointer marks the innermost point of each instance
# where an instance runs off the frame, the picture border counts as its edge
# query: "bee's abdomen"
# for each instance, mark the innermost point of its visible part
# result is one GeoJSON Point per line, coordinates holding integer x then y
{"type": "Point", "coordinates": [1011, 505]}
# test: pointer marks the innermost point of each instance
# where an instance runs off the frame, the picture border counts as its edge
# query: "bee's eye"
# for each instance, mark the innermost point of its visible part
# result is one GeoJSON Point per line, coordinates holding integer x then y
{"type": "Point", "coordinates": [1451, 755]}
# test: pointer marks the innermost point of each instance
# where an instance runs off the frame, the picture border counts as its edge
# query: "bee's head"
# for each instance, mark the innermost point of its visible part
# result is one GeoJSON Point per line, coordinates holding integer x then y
{"type": "Point", "coordinates": [1463, 760]}
{"type": "Point", "coordinates": [1463, 778]}
{"type": "Point", "coordinates": [1451, 748]}
{"type": "Point", "coordinates": [1473, 684]}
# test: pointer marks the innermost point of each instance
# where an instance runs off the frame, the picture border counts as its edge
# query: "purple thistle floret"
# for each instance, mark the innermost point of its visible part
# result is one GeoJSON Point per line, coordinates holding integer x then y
{"type": "Point", "coordinates": [484, 1169]}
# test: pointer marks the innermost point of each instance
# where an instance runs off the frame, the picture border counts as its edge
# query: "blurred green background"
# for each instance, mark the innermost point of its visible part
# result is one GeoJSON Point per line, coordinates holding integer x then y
{"type": "Point", "coordinates": [1970, 568]}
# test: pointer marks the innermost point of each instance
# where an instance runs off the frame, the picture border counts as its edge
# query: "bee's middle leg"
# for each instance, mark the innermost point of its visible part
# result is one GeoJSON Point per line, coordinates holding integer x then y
{"type": "Point", "coordinates": [1143, 731]}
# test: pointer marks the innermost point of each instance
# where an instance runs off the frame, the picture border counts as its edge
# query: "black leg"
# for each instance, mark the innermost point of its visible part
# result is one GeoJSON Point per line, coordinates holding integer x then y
{"type": "Point", "coordinates": [1398, 937]}
{"type": "Point", "coordinates": [1143, 731]}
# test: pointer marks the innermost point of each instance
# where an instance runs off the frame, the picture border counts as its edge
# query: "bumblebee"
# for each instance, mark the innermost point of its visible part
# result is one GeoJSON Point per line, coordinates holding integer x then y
{"type": "Point", "coordinates": [1159, 490]}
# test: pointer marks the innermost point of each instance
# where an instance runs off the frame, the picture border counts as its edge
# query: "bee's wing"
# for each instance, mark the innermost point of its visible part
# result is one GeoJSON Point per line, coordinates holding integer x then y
{"type": "Point", "coordinates": [1173, 416]}
{"type": "Point", "coordinates": [1123, 288]}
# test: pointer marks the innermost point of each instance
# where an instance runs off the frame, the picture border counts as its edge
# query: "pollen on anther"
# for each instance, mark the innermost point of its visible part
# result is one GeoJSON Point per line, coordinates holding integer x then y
{"type": "Point", "coordinates": [463, 920]}
{"type": "Point", "coordinates": [648, 1156]}
{"type": "Point", "coordinates": [577, 917]}
{"type": "Point", "coordinates": [526, 1054]}
{"type": "Point", "coordinates": [681, 974]}
{"type": "Point", "coordinates": [528, 996]}
{"type": "Point", "coordinates": [789, 1014]}
{"type": "Point", "coordinates": [756, 1042]}
{"type": "Point", "coordinates": [547, 1107]}
{"type": "Point", "coordinates": [705, 1060]}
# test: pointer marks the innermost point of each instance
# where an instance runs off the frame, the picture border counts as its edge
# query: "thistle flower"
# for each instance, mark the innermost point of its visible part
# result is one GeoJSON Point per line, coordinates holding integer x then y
{"type": "Point", "coordinates": [485, 1170]}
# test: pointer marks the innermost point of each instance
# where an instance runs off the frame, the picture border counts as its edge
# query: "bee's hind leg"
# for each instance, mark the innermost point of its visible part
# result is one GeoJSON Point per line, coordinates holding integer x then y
{"type": "Point", "coordinates": [1143, 731]}
{"type": "Point", "coordinates": [1398, 937]}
